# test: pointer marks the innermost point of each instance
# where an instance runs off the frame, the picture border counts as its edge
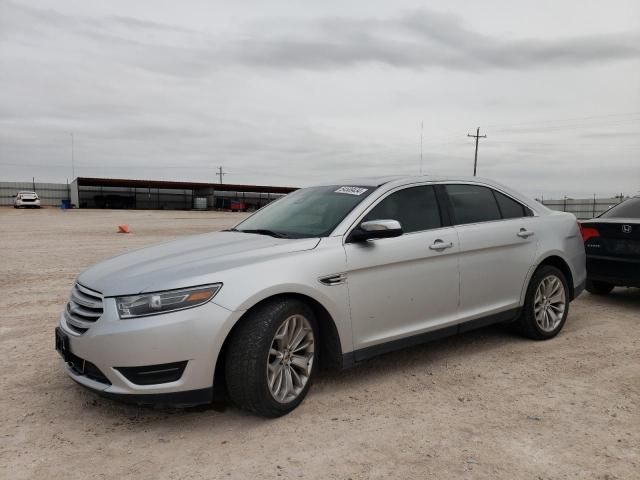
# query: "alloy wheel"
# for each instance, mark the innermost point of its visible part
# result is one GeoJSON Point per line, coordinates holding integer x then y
{"type": "Point", "coordinates": [549, 303]}
{"type": "Point", "coordinates": [290, 358]}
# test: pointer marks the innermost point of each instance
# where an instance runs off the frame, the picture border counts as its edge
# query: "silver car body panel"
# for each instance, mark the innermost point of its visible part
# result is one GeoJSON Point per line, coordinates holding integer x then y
{"type": "Point", "coordinates": [189, 261]}
{"type": "Point", "coordinates": [376, 292]}
{"type": "Point", "coordinates": [399, 287]}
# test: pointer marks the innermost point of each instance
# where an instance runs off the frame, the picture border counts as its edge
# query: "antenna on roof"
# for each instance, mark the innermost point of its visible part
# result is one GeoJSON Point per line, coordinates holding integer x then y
{"type": "Point", "coordinates": [73, 163]}
{"type": "Point", "coordinates": [421, 131]}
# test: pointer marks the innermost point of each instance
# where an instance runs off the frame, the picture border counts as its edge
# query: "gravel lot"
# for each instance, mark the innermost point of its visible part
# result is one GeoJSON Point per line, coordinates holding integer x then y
{"type": "Point", "coordinates": [484, 405]}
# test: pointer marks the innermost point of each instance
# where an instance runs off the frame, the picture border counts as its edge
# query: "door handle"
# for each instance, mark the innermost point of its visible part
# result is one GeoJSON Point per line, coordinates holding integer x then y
{"type": "Point", "coordinates": [524, 233]}
{"type": "Point", "coordinates": [440, 245]}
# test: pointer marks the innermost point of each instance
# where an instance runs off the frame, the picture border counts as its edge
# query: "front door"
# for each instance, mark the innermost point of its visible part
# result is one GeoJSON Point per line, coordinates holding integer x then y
{"type": "Point", "coordinates": [408, 285]}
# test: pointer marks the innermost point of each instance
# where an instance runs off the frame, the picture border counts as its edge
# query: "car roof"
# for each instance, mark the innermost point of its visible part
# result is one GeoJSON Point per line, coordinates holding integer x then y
{"type": "Point", "coordinates": [393, 181]}
{"type": "Point", "coordinates": [26, 191]}
{"type": "Point", "coordinates": [396, 180]}
{"type": "Point", "coordinates": [378, 181]}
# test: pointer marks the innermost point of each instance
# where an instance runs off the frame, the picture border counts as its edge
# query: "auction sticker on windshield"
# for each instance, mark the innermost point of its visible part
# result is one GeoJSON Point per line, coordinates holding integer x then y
{"type": "Point", "coordinates": [351, 190]}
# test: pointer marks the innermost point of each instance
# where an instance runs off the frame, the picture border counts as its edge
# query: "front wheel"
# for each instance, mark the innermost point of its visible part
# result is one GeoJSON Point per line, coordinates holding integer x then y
{"type": "Point", "coordinates": [546, 304]}
{"type": "Point", "coordinates": [598, 288]}
{"type": "Point", "coordinates": [271, 358]}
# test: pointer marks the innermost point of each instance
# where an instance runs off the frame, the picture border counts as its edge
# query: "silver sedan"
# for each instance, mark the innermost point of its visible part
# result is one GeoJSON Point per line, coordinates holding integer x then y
{"type": "Point", "coordinates": [327, 276]}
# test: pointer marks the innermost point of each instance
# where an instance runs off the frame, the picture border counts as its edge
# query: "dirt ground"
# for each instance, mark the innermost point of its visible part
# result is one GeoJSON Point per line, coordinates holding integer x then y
{"type": "Point", "coordinates": [484, 405]}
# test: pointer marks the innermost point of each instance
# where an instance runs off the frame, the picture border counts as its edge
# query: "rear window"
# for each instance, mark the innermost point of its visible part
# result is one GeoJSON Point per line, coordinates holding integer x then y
{"type": "Point", "coordinates": [627, 209]}
{"type": "Point", "coordinates": [509, 207]}
{"type": "Point", "coordinates": [473, 204]}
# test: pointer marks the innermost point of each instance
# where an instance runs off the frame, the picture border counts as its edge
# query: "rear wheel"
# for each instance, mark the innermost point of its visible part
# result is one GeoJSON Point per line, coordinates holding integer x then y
{"type": "Point", "coordinates": [272, 357]}
{"type": "Point", "coordinates": [546, 304]}
{"type": "Point", "coordinates": [598, 288]}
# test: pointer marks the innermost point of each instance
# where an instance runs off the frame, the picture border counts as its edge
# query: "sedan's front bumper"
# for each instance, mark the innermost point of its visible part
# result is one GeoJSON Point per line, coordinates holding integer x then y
{"type": "Point", "coordinates": [113, 346]}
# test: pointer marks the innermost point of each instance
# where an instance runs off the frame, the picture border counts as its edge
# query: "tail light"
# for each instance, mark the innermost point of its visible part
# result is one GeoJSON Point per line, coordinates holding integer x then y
{"type": "Point", "coordinates": [588, 232]}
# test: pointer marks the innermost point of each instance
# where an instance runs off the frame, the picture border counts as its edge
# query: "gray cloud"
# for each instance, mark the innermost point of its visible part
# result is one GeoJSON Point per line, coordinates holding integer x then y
{"type": "Point", "coordinates": [291, 96]}
{"type": "Point", "coordinates": [416, 40]}
{"type": "Point", "coordinates": [424, 39]}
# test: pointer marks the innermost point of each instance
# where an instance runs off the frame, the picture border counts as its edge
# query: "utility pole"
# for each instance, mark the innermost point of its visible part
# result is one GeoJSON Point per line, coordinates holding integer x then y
{"type": "Point", "coordinates": [477, 136]}
{"type": "Point", "coordinates": [220, 173]}
{"type": "Point", "coordinates": [421, 130]}
{"type": "Point", "coordinates": [73, 164]}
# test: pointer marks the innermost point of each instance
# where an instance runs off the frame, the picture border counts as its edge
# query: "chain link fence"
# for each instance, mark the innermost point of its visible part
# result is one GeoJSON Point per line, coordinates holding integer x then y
{"type": "Point", "coordinates": [51, 194]}
{"type": "Point", "coordinates": [583, 208]}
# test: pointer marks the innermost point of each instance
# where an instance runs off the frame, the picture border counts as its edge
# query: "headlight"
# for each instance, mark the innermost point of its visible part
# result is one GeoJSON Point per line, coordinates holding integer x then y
{"type": "Point", "coordinates": [168, 301]}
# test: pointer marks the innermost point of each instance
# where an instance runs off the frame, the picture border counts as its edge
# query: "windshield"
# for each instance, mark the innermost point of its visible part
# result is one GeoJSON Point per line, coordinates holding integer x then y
{"type": "Point", "coordinates": [309, 212]}
{"type": "Point", "coordinates": [627, 209]}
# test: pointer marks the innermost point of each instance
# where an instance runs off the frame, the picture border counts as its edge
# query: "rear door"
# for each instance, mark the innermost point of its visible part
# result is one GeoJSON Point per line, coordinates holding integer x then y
{"type": "Point", "coordinates": [403, 286]}
{"type": "Point", "coordinates": [498, 244]}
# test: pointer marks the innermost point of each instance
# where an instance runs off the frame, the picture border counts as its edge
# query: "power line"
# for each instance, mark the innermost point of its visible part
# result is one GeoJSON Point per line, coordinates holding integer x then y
{"type": "Point", "coordinates": [574, 119]}
{"type": "Point", "coordinates": [555, 144]}
{"type": "Point", "coordinates": [545, 128]}
{"type": "Point", "coordinates": [477, 136]}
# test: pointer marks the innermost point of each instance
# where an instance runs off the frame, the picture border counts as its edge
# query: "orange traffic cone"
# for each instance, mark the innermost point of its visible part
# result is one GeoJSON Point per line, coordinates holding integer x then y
{"type": "Point", "coordinates": [124, 228]}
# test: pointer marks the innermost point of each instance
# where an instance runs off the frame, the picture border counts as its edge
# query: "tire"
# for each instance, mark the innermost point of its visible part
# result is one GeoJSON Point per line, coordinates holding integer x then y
{"type": "Point", "coordinates": [598, 288]}
{"type": "Point", "coordinates": [547, 284]}
{"type": "Point", "coordinates": [263, 374]}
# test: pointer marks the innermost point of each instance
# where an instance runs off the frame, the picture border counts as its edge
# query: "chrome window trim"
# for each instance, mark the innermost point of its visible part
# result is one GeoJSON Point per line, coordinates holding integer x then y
{"type": "Point", "coordinates": [346, 225]}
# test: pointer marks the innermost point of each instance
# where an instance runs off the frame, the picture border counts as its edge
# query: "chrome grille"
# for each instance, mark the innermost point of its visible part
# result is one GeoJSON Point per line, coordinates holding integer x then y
{"type": "Point", "coordinates": [83, 309]}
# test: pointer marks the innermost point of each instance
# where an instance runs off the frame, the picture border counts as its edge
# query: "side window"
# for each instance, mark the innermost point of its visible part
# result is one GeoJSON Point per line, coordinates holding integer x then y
{"type": "Point", "coordinates": [473, 204]}
{"type": "Point", "coordinates": [509, 207]}
{"type": "Point", "coordinates": [415, 208]}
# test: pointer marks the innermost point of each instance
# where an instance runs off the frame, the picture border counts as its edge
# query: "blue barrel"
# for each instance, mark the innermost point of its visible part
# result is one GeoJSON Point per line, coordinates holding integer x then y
{"type": "Point", "coordinates": [65, 204]}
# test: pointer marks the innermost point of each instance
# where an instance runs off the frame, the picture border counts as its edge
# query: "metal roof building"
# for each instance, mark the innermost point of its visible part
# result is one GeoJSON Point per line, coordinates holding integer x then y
{"type": "Point", "coordinates": [170, 195]}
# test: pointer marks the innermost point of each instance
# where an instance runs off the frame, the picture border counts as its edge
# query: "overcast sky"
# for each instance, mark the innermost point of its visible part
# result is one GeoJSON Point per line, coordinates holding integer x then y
{"type": "Point", "coordinates": [296, 93]}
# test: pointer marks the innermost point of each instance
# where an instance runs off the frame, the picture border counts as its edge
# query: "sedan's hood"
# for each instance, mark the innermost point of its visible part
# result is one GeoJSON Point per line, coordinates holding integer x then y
{"type": "Point", "coordinates": [186, 262]}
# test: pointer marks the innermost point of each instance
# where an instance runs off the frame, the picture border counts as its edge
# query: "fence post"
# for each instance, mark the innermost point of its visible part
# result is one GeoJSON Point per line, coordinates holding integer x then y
{"type": "Point", "coordinates": [594, 206]}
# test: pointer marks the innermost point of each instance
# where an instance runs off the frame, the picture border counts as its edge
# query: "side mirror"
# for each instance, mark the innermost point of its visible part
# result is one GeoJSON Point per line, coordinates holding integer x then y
{"type": "Point", "coordinates": [376, 229]}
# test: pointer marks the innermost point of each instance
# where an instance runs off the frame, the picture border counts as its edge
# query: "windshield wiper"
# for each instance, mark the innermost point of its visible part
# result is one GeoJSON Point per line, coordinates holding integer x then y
{"type": "Point", "coordinates": [264, 231]}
